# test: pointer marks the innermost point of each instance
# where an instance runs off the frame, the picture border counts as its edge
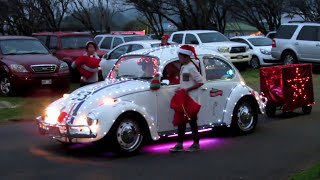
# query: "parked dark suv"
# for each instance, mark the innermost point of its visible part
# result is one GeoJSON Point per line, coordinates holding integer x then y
{"type": "Point", "coordinates": [26, 63]}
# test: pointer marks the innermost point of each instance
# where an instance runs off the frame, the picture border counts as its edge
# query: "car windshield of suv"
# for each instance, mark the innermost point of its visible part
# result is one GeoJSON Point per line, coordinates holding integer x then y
{"type": "Point", "coordinates": [136, 67]}
{"type": "Point", "coordinates": [212, 37]}
{"type": "Point", "coordinates": [75, 42]}
{"type": "Point", "coordinates": [22, 46]}
{"type": "Point", "coordinates": [260, 41]}
{"type": "Point", "coordinates": [137, 38]}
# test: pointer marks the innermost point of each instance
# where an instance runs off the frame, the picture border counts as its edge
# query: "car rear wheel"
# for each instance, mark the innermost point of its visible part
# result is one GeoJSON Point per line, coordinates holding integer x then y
{"type": "Point", "coordinates": [245, 117]}
{"type": "Point", "coordinates": [127, 136]}
{"type": "Point", "coordinates": [6, 88]}
{"type": "Point", "coordinates": [289, 58]}
{"type": "Point", "coordinates": [255, 62]}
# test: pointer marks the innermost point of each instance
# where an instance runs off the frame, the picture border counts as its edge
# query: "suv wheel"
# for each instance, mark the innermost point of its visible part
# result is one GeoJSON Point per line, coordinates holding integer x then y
{"type": "Point", "coordinates": [289, 58]}
{"type": "Point", "coordinates": [5, 86]}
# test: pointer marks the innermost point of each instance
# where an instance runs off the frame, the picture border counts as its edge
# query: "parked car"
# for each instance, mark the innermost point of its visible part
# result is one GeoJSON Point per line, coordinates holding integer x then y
{"type": "Point", "coordinates": [109, 60]}
{"type": "Point", "coordinates": [271, 34]}
{"type": "Point", "coordinates": [122, 111]}
{"type": "Point", "coordinates": [297, 42]}
{"type": "Point", "coordinates": [234, 51]}
{"type": "Point", "coordinates": [66, 46]}
{"type": "Point", "coordinates": [106, 42]}
{"type": "Point", "coordinates": [260, 48]}
{"type": "Point", "coordinates": [26, 63]}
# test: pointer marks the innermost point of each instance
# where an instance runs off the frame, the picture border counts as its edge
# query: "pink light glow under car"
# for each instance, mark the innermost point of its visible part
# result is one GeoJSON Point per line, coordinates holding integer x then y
{"type": "Point", "coordinates": [189, 132]}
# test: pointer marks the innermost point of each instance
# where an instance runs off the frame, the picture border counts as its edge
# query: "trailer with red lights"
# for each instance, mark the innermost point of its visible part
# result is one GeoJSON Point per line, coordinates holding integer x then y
{"type": "Point", "coordinates": [287, 88]}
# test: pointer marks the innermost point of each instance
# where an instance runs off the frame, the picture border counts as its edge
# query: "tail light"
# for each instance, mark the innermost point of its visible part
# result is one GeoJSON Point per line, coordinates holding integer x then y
{"type": "Point", "coordinates": [274, 43]}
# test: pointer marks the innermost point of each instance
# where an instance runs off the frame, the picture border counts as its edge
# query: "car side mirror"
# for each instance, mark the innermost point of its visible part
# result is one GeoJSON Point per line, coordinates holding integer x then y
{"type": "Point", "coordinates": [52, 51]}
{"type": "Point", "coordinates": [106, 56]}
{"type": "Point", "coordinates": [165, 82]}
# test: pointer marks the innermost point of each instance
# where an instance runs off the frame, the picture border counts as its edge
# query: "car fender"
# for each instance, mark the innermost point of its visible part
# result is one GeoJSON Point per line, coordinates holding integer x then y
{"type": "Point", "coordinates": [239, 92]}
{"type": "Point", "coordinates": [107, 119]}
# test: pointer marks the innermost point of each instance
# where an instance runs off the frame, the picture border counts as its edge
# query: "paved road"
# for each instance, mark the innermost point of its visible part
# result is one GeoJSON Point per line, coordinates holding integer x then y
{"type": "Point", "coordinates": [279, 146]}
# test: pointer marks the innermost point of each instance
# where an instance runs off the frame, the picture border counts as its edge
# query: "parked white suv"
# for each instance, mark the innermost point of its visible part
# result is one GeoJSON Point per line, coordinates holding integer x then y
{"type": "Point", "coordinates": [106, 42]}
{"type": "Point", "coordinates": [234, 51]}
{"type": "Point", "coordinates": [297, 42]}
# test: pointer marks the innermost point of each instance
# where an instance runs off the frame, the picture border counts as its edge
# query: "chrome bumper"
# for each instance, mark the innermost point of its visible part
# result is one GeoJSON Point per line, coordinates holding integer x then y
{"type": "Point", "coordinates": [64, 130]}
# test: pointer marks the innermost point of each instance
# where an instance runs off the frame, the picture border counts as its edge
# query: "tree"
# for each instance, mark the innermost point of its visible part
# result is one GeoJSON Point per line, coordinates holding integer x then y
{"type": "Point", "coordinates": [308, 9]}
{"type": "Point", "coordinates": [265, 15]}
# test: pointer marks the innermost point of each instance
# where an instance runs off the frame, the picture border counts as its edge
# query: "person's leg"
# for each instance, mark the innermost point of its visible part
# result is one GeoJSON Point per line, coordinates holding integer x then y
{"type": "Point", "coordinates": [195, 134]}
{"type": "Point", "coordinates": [179, 145]}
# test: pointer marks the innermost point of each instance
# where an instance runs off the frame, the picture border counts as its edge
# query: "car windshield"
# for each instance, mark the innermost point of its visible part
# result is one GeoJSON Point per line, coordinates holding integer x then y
{"type": "Point", "coordinates": [260, 41]}
{"type": "Point", "coordinates": [75, 41]}
{"type": "Point", "coordinates": [136, 67]}
{"type": "Point", "coordinates": [136, 38]}
{"type": "Point", "coordinates": [22, 46]}
{"type": "Point", "coordinates": [212, 37]}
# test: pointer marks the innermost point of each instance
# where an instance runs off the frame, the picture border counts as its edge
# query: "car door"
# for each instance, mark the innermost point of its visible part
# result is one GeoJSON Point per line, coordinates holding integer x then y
{"type": "Point", "coordinates": [215, 91]}
{"type": "Point", "coordinates": [164, 112]}
{"type": "Point", "coordinates": [106, 44]}
{"type": "Point", "coordinates": [308, 43]}
{"type": "Point", "coordinates": [108, 63]}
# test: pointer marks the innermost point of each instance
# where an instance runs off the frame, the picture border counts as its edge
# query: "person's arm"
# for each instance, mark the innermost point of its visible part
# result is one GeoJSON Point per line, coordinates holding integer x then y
{"type": "Point", "coordinates": [195, 86]}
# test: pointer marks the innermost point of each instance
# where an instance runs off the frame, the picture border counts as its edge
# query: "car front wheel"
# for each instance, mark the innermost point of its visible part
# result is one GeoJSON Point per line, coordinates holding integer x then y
{"type": "Point", "coordinates": [127, 136]}
{"type": "Point", "coordinates": [255, 62]}
{"type": "Point", "coordinates": [6, 88]}
{"type": "Point", "coordinates": [245, 117]}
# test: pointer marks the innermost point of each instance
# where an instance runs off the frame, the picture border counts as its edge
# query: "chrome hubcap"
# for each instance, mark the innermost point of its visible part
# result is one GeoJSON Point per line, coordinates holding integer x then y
{"type": "Point", "coordinates": [5, 85]}
{"type": "Point", "coordinates": [245, 117]}
{"type": "Point", "coordinates": [289, 60]}
{"type": "Point", "coordinates": [129, 135]}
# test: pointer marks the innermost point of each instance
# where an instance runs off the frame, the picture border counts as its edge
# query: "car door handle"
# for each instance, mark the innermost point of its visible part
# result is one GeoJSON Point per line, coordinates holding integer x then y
{"type": "Point", "coordinates": [204, 89]}
{"type": "Point", "coordinates": [296, 43]}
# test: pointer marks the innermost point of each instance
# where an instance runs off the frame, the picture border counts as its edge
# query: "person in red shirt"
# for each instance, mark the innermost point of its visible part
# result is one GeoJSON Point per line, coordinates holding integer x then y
{"type": "Point", "coordinates": [164, 40]}
{"type": "Point", "coordinates": [88, 65]}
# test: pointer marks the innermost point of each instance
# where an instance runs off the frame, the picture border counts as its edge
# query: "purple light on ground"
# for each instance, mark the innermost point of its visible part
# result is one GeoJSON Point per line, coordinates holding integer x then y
{"type": "Point", "coordinates": [74, 146]}
{"type": "Point", "coordinates": [205, 143]}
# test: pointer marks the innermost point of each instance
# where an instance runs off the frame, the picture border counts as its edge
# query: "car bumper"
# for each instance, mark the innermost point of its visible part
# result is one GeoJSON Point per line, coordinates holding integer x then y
{"type": "Point", "coordinates": [64, 130]}
{"type": "Point", "coordinates": [238, 57]}
{"type": "Point", "coordinates": [268, 59]}
{"type": "Point", "coordinates": [31, 80]}
{"type": "Point", "coordinates": [275, 53]}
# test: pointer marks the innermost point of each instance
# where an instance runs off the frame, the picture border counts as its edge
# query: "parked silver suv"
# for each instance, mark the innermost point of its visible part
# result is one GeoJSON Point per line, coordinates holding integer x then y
{"type": "Point", "coordinates": [297, 42]}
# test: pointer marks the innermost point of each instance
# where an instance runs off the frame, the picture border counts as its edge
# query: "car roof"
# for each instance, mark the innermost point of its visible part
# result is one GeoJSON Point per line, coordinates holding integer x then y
{"type": "Point", "coordinates": [166, 53]}
{"type": "Point", "coordinates": [61, 34]}
{"type": "Point", "coordinates": [303, 23]}
{"type": "Point", "coordinates": [118, 35]}
{"type": "Point", "coordinates": [147, 42]}
{"type": "Point", "coordinates": [16, 37]}
{"type": "Point", "coordinates": [196, 31]}
{"type": "Point", "coordinates": [247, 37]}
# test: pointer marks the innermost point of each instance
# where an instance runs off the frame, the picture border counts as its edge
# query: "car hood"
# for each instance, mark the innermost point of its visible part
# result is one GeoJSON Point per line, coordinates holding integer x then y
{"type": "Point", "coordinates": [225, 43]}
{"type": "Point", "coordinates": [32, 59]}
{"type": "Point", "coordinates": [80, 102]}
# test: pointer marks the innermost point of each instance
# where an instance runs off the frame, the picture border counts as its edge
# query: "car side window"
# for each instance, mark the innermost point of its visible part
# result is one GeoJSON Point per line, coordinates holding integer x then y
{"type": "Point", "coordinates": [135, 47]}
{"type": "Point", "coordinates": [177, 38]}
{"type": "Point", "coordinates": [309, 33]}
{"type": "Point", "coordinates": [116, 42]}
{"type": "Point", "coordinates": [97, 39]}
{"type": "Point", "coordinates": [118, 52]}
{"type": "Point", "coordinates": [171, 72]}
{"type": "Point", "coordinates": [286, 31]}
{"type": "Point", "coordinates": [42, 39]}
{"type": "Point", "coordinates": [106, 43]}
{"type": "Point", "coordinates": [217, 69]}
{"type": "Point", "coordinates": [191, 39]}
{"type": "Point", "coordinates": [53, 43]}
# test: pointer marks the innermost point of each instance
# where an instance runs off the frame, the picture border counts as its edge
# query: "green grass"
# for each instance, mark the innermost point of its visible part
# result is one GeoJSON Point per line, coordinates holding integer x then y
{"type": "Point", "coordinates": [311, 173]}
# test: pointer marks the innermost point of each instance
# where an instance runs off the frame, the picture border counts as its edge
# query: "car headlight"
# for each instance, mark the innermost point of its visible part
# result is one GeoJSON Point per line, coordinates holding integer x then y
{"type": "Point", "coordinates": [247, 48]}
{"type": "Point", "coordinates": [64, 67]}
{"type": "Point", "coordinates": [223, 49]}
{"type": "Point", "coordinates": [18, 68]}
{"type": "Point", "coordinates": [51, 115]}
{"type": "Point", "coordinates": [266, 52]}
{"type": "Point", "coordinates": [92, 119]}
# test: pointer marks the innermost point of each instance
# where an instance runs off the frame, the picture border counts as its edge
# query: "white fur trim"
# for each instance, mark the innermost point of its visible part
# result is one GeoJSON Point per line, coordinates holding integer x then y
{"type": "Point", "coordinates": [184, 51]}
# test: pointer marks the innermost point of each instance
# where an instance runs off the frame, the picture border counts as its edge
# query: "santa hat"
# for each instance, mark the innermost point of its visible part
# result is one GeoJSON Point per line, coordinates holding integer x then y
{"type": "Point", "coordinates": [165, 37]}
{"type": "Point", "coordinates": [155, 82]}
{"type": "Point", "coordinates": [188, 50]}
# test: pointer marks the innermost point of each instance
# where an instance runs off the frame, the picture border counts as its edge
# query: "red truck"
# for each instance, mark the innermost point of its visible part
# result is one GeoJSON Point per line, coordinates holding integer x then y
{"type": "Point", "coordinates": [26, 63]}
{"type": "Point", "coordinates": [66, 46]}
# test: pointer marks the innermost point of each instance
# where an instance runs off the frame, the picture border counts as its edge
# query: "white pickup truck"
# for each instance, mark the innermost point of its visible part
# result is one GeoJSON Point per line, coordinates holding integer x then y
{"type": "Point", "coordinates": [234, 51]}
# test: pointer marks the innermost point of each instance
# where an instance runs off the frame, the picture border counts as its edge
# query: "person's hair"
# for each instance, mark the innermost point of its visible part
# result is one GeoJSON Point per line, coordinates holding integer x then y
{"type": "Point", "coordinates": [94, 45]}
{"type": "Point", "coordinates": [184, 55]}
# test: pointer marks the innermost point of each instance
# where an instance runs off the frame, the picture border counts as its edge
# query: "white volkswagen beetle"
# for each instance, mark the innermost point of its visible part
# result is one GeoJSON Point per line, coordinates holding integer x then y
{"type": "Point", "coordinates": [122, 111]}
